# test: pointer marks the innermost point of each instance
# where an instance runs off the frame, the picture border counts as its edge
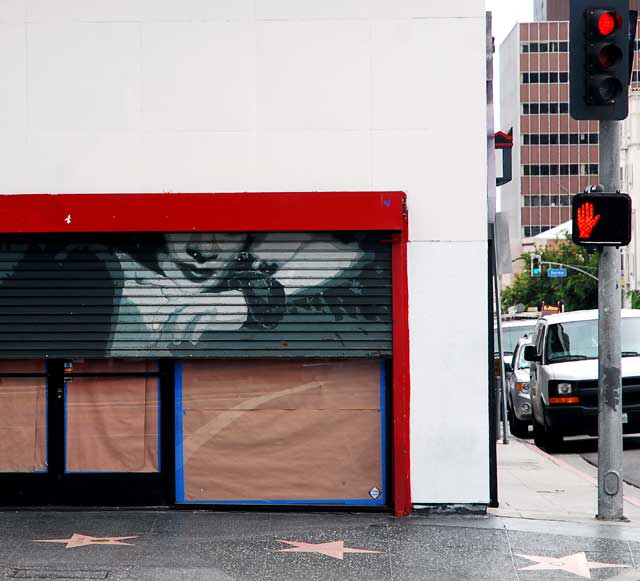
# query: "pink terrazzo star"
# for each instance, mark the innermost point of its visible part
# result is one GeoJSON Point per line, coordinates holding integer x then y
{"type": "Point", "coordinates": [78, 540]}
{"type": "Point", "coordinates": [576, 564]}
{"type": "Point", "coordinates": [335, 549]}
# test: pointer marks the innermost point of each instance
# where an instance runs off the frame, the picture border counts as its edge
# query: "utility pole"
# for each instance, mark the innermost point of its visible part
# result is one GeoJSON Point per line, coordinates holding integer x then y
{"type": "Point", "coordinates": [610, 495]}
{"type": "Point", "coordinates": [601, 41]}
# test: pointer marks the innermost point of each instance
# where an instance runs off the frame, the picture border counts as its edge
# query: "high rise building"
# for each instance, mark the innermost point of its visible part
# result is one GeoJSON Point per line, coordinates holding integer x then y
{"type": "Point", "coordinates": [554, 155]}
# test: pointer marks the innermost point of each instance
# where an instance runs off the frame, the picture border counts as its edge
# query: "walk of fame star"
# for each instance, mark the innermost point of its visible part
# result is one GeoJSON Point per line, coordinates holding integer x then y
{"type": "Point", "coordinates": [576, 564]}
{"type": "Point", "coordinates": [335, 549]}
{"type": "Point", "coordinates": [78, 540]}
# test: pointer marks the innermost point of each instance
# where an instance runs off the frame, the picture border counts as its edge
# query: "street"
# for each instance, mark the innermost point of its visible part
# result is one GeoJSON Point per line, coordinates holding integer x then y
{"type": "Point", "coordinates": [583, 448]}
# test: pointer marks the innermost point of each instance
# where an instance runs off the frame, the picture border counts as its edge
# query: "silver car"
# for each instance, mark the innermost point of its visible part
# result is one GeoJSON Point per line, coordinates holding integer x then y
{"type": "Point", "coordinates": [519, 397]}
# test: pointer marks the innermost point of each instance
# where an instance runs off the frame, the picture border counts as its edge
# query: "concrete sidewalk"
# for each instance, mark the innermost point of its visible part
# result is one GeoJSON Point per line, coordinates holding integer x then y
{"type": "Point", "coordinates": [267, 546]}
{"type": "Point", "coordinates": [544, 530]}
{"type": "Point", "coordinates": [535, 485]}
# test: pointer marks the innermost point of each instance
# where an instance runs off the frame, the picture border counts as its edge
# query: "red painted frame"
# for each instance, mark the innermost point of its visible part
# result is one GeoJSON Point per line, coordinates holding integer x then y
{"type": "Point", "coordinates": [270, 212]}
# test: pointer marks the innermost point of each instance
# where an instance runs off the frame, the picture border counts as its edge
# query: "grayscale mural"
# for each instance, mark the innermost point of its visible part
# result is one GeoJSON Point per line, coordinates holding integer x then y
{"type": "Point", "coordinates": [200, 294]}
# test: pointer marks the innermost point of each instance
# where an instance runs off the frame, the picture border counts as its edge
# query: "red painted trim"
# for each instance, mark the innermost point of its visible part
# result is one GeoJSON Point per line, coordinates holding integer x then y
{"type": "Point", "coordinates": [401, 384]}
{"type": "Point", "coordinates": [290, 211]}
{"type": "Point", "coordinates": [503, 140]}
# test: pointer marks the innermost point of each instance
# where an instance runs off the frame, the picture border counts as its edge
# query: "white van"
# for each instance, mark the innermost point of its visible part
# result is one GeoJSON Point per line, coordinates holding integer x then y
{"type": "Point", "coordinates": [564, 375]}
{"type": "Point", "coordinates": [512, 332]}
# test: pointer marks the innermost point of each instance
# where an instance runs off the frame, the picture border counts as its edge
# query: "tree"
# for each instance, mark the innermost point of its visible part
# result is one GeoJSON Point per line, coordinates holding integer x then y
{"type": "Point", "coordinates": [576, 291]}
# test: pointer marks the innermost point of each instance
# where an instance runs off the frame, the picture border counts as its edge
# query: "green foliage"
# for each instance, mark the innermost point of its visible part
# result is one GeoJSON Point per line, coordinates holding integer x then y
{"type": "Point", "coordinates": [634, 295]}
{"type": "Point", "coordinates": [576, 291]}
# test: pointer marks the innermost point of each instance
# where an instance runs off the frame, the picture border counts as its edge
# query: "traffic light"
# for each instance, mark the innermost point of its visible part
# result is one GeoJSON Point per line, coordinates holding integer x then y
{"type": "Point", "coordinates": [599, 54]}
{"type": "Point", "coordinates": [601, 219]}
{"type": "Point", "coordinates": [536, 265]}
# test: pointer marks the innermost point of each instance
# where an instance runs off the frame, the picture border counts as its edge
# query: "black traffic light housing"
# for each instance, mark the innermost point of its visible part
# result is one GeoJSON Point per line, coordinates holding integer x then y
{"type": "Point", "coordinates": [536, 265]}
{"type": "Point", "coordinates": [601, 219]}
{"type": "Point", "coordinates": [599, 59]}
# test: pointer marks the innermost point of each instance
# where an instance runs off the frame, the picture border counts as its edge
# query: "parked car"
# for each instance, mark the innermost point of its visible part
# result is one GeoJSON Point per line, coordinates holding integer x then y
{"type": "Point", "coordinates": [564, 375]}
{"type": "Point", "coordinates": [519, 399]}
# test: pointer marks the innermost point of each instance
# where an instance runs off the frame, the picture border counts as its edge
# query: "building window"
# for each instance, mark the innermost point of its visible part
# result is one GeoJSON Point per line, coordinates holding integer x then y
{"type": "Point", "coordinates": [530, 231]}
{"type": "Point", "coordinates": [565, 200]}
{"type": "Point", "coordinates": [544, 108]}
{"type": "Point", "coordinates": [548, 77]}
{"type": "Point", "coordinates": [553, 46]}
{"type": "Point", "coordinates": [562, 169]}
{"type": "Point", "coordinates": [587, 169]}
{"type": "Point", "coordinates": [561, 138]}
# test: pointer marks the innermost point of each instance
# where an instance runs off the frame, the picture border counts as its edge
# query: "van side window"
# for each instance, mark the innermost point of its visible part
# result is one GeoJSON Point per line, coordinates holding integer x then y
{"type": "Point", "coordinates": [540, 340]}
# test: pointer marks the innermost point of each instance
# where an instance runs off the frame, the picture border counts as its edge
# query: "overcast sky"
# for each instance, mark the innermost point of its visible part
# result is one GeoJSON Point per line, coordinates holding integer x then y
{"type": "Point", "coordinates": [505, 13]}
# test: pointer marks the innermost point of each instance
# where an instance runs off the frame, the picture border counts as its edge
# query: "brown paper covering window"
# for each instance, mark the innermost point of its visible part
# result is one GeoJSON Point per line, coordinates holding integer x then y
{"type": "Point", "coordinates": [23, 366]}
{"type": "Point", "coordinates": [114, 366]}
{"type": "Point", "coordinates": [112, 424]}
{"type": "Point", "coordinates": [271, 430]}
{"type": "Point", "coordinates": [23, 438]}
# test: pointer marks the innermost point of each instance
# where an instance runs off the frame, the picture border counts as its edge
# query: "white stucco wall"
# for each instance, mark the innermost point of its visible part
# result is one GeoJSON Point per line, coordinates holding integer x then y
{"type": "Point", "coordinates": [277, 95]}
{"type": "Point", "coordinates": [510, 193]}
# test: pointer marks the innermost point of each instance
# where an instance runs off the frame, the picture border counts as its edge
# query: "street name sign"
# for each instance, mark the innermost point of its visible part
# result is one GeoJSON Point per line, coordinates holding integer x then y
{"type": "Point", "coordinates": [556, 272]}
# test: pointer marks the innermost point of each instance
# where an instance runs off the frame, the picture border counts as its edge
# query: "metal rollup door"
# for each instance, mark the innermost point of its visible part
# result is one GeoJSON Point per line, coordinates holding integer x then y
{"type": "Point", "coordinates": [318, 294]}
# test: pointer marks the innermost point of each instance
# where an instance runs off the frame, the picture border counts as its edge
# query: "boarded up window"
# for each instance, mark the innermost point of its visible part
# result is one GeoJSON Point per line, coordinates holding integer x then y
{"type": "Point", "coordinates": [278, 431]}
{"type": "Point", "coordinates": [23, 417]}
{"type": "Point", "coordinates": [112, 424]}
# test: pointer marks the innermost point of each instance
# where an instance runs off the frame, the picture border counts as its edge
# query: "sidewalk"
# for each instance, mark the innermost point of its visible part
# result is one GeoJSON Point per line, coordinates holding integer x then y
{"type": "Point", "coordinates": [544, 530]}
{"type": "Point", "coordinates": [261, 546]}
{"type": "Point", "coordinates": [535, 485]}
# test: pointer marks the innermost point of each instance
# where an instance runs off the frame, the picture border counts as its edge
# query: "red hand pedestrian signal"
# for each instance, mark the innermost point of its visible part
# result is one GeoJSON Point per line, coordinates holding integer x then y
{"type": "Point", "coordinates": [601, 219]}
{"type": "Point", "coordinates": [586, 220]}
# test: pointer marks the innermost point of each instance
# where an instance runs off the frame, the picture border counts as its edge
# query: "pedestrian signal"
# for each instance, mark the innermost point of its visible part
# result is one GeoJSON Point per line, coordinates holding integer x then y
{"type": "Point", "coordinates": [601, 219]}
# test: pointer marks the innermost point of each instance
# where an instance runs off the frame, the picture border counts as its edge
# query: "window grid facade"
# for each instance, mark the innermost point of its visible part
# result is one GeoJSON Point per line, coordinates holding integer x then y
{"type": "Point", "coordinates": [558, 154]}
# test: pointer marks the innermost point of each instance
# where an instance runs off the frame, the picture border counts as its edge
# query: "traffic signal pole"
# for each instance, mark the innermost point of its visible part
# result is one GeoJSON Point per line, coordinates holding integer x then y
{"type": "Point", "coordinates": [610, 494]}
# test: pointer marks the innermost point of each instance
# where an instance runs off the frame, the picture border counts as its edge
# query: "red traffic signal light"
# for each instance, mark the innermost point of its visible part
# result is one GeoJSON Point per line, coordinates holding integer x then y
{"type": "Point", "coordinates": [607, 21]}
{"type": "Point", "coordinates": [601, 219]}
{"type": "Point", "coordinates": [599, 55]}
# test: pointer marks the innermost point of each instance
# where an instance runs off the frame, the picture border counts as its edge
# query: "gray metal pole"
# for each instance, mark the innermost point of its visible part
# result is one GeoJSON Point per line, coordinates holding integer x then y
{"type": "Point", "coordinates": [503, 379]}
{"type": "Point", "coordinates": [610, 496]}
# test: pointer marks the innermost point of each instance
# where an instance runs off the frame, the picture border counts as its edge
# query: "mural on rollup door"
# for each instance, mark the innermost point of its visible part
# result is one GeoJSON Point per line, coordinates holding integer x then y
{"type": "Point", "coordinates": [172, 294]}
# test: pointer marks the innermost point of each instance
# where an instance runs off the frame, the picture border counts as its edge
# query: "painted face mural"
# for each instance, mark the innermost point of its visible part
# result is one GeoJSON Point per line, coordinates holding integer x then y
{"type": "Point", "coordinates": [200, 258]}
{"type": "Point", "coordinates": [197, 293]}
